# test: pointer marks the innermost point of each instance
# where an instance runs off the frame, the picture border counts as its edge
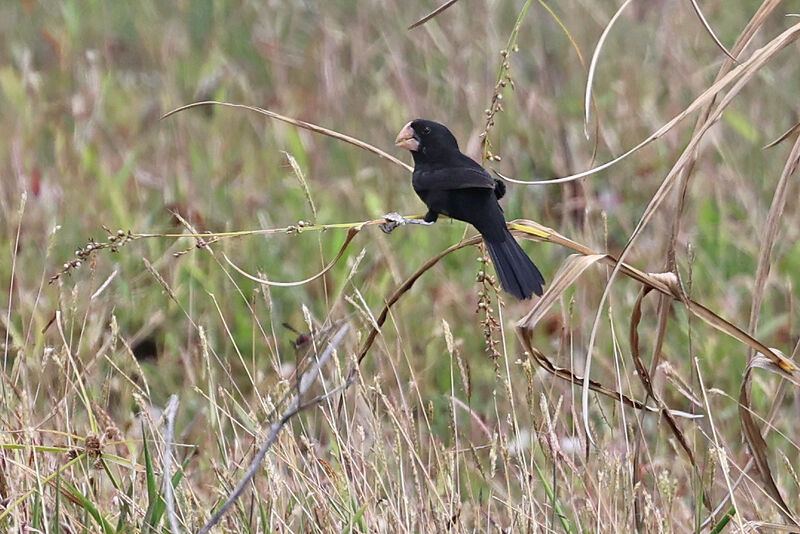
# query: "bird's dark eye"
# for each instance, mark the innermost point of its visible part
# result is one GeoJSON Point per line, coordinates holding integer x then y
{"type": "Point", "coordinates": [426, 130]}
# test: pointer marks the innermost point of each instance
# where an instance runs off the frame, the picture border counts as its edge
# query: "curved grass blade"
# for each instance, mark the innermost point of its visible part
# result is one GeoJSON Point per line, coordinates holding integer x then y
{"type": "Point", "coordinates": [788, 133]}
{"type": "Point", "coordinates": [300, 124]}
{"type": "Point", "coordinates": [351, 233]}
{"type": "Point", "coordinates": [743, 70]}
{"type": "Point", "coordinates": [707, 26]}
{"type": "Point", "coordinates": [593, 65]}
{"type": "Point", "coordinates": [89, 506]}
{"type": "Point", "coordinates": [758, 448]}
{"type": "Point", "coordinates": [432, 14]}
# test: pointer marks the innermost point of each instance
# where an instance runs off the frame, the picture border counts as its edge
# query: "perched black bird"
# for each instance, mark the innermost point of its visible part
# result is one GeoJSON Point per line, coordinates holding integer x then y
{"type": "Point", "coordinates": [452, 184]}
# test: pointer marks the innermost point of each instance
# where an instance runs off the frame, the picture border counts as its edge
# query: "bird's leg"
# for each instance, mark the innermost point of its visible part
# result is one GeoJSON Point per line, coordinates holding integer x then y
{"type": "Point", "coordinates": [430, 217]}
{"type": "Point", "coordinates": [394, 219]}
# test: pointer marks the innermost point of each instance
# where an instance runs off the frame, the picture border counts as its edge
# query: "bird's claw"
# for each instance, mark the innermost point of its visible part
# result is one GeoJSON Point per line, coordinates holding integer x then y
{"type": "Point", "coordinates": [393, 220]}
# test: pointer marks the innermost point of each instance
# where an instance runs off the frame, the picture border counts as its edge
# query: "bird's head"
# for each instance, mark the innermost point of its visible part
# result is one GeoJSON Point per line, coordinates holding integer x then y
{"type": "Point", "coordinates": [426, 139]}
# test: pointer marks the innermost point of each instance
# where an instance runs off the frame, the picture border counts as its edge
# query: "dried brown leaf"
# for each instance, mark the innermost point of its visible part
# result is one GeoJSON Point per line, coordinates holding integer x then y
{"type": "Point", "coordinates": [644, 376]}
{"type": "Point", "coordinates": [770, 232]}
{"type": "Point", "coordinates": [743, 74]}
{"type": "Point", "coordinates": [752, 433]}
{"type": "Point", "coordinates": [532, 230]}
{"type": "Point", "coordinates": [570, 271]}
{"type": "Point", "coordinates": [755, 23]}
{"type": "Point", "coordinates": [787, 134]}
{"type": "Point", "coordinates": [758, 448]}
{"type": "Point", "coordinates": [760, 361]}
{"type": "Point", "coordinates": [525, 336]}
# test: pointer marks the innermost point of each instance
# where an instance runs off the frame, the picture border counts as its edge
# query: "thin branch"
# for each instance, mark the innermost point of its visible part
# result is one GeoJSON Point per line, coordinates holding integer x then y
{"type": "Point", "coordinates": [169, 438]}
{"type": "Point", "coordinates": [304, 383]}
{"type": "Point", "coordinates": [432, 14]}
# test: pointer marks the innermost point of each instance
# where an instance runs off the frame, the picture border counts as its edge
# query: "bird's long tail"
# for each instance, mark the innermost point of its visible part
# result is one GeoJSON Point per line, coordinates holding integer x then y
{"type": "Point", "coordinates": [518, 275]}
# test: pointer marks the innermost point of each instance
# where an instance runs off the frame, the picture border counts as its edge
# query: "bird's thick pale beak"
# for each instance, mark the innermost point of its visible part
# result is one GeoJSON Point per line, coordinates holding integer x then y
{"type": "Point", "coordinates": [407, 138]}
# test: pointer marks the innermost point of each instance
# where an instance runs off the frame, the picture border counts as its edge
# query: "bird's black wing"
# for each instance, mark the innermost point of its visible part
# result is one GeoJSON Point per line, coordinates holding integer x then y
{"type": "Point", "coordinates": [448, 179]}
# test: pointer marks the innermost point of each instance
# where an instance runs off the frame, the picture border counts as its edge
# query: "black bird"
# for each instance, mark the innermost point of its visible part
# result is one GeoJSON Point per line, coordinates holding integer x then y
{"type": "Point", "coordinates": [452, 184]}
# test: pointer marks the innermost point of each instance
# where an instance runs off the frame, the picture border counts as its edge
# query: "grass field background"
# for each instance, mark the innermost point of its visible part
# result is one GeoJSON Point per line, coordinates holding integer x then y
{"type": "Point", "coordinates": [436, 434]}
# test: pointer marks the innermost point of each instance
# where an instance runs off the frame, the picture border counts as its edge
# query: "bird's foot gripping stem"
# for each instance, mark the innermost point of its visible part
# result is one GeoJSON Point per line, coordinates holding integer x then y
{"type": "Point", "coordinates": [394, 219]}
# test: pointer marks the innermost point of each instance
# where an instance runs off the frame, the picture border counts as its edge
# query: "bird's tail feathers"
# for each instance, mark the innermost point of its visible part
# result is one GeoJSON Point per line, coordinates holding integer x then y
{"type": "Point", "coordinates": [517, 273]}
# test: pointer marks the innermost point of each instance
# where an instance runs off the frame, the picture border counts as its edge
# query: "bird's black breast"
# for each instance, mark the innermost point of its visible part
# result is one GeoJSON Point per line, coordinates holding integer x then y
{"type": "Point", "coordinates": [475, 205]}
{"type": "Point", "coordinates": [463, 190]}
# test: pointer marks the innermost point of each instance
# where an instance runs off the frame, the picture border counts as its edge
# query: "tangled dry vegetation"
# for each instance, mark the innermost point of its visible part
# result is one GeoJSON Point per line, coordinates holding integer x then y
{"type": "Point", "coordinates": [179, 374]}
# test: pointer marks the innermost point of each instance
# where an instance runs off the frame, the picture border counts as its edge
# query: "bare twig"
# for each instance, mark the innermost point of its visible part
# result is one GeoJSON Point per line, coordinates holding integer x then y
{"type": "Point", "coordinates": [296, 406]}
{"type": "Point", "coordinates": [432, 14]}
{"type": "Point", "coordinates": [535, 231]}
{"type": "Point", "coordinates": [169, 437]}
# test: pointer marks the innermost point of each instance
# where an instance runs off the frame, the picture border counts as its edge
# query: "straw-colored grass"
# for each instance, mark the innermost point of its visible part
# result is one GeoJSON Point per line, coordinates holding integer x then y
{"type": "Point", "coordinates": [150, 266]}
